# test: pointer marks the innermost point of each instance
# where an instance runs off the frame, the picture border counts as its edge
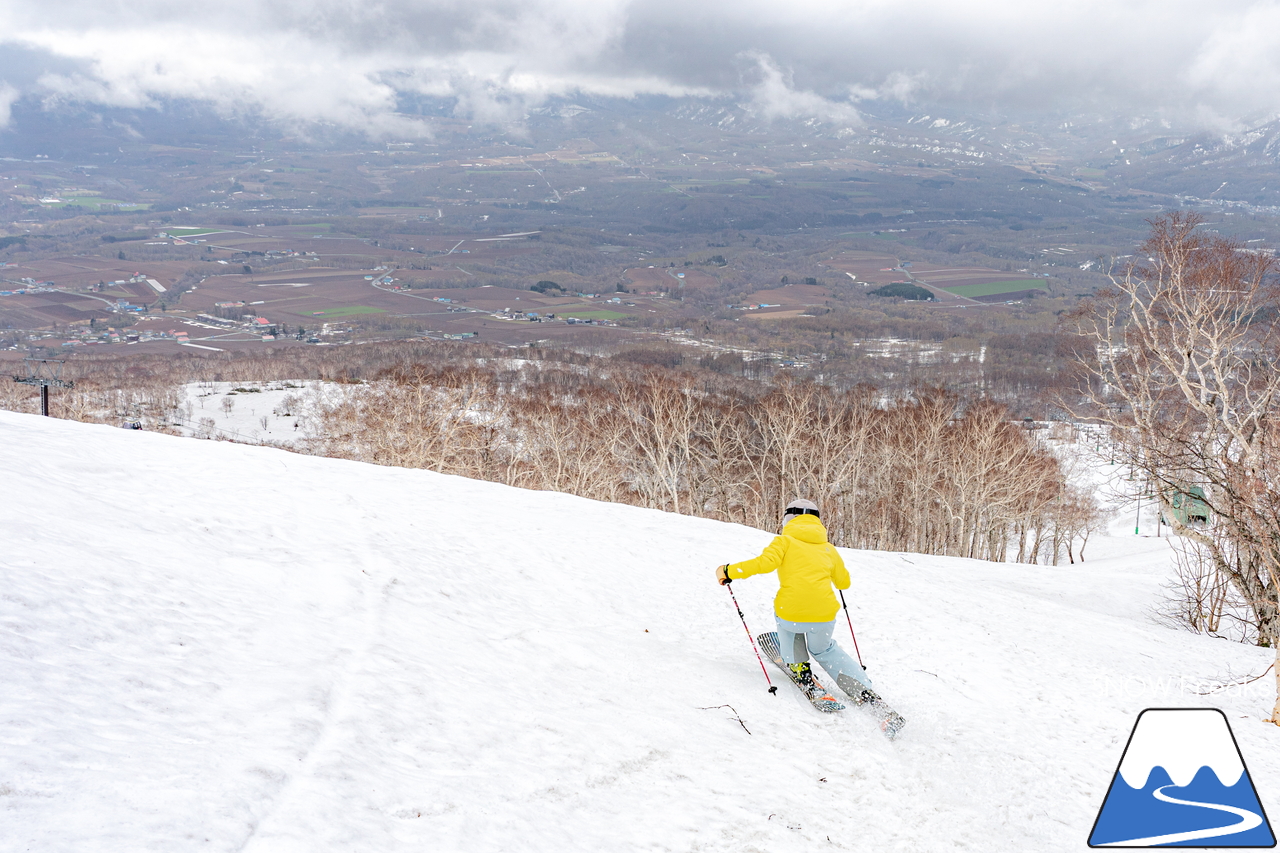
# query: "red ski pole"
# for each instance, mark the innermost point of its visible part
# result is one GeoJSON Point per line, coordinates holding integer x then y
{"type": "Point", "coordinates": [851, 634]}
{"type": "Point", "coordinates": [773, 688]}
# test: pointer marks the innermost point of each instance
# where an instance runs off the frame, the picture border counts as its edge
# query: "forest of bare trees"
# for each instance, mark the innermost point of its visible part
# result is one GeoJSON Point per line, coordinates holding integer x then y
{"type": "Point", "coordinates": [931, 474]}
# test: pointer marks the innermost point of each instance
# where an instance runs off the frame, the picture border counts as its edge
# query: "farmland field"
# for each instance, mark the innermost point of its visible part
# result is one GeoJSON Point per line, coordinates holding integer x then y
{"type": "Point", "coordinates": [595, 315]}
{"type": "Point", "coordinates": [791, 295]}
{"type": "Point", "coordinates": [867, 268]}
{"type": "Point", "coordinates": [774, 314]}
{"type": "Point", "coordinates": [349, 311]}
{"type": "Point", "coordinates": [192, 232]}
{"type": "Point", "coordinates": [996, 288]}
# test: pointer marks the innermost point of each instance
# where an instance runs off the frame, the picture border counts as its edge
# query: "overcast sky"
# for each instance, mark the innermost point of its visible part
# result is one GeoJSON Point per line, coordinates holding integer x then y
{"type": "Point", "coordinates": [1208, 63]}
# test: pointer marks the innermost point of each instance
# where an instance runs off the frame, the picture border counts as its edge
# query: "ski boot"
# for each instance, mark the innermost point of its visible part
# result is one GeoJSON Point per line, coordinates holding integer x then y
{"type": "Point", "coordinates": [803, 673]}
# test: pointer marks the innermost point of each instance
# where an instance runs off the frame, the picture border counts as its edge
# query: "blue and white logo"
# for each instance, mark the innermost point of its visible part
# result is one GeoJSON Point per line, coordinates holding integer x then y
{"type": "Point", "coordinates": [1182, 783]}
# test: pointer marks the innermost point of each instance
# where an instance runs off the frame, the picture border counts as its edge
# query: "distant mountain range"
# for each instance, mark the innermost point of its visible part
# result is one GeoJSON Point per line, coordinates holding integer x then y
{"type": "Point", "coordinates": [1093, 152]}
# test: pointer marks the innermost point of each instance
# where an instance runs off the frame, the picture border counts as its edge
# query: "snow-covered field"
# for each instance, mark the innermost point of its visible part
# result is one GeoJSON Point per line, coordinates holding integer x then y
{"type": "Point", "coordinates": [260, 412]}
{"type": "Point", "coordinates": [214, 646]}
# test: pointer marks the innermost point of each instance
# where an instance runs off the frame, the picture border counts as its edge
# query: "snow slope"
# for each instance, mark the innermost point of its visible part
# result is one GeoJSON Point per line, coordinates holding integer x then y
{"type": "Point", "coordinates": [212, 646]}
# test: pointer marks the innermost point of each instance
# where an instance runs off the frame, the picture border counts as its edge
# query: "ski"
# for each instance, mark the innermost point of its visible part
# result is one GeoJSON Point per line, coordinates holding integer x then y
{"type": "Point", "coordinates": [817, 695]}
{"type": "Point", "coordinates": [889, 720]}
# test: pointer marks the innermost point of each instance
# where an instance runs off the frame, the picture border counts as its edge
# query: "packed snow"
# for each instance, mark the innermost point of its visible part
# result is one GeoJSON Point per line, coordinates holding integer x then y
{"type": "Point", "coordinates": [222, 647]}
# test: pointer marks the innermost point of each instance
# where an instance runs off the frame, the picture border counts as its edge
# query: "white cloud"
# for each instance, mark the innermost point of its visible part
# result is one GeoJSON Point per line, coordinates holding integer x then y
{"type": "Point", "coordinates": [344, 62]}
{"type": "Point", "coordinates": [775, 97]}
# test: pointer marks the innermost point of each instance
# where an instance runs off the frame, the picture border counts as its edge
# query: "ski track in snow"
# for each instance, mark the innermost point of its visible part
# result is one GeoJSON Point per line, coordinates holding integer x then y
{"type": "Point", "coordinates": [223, 647]}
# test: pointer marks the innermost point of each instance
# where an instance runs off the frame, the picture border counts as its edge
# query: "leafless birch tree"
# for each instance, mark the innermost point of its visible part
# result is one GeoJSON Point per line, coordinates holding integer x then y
{"type": "Point", "coordinates": [1188, 375]}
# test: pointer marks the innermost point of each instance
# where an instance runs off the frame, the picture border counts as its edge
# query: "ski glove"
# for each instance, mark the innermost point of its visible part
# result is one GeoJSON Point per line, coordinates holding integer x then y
{"type": "Point", "coordinates": [722, 574]}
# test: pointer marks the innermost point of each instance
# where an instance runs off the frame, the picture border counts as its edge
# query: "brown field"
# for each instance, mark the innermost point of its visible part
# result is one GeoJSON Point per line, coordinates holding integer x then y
{"type": "Point", "coordinates": [884, 269]}
{"type": "Point", "coordinates": [868, 268]}
{"type": "Point", "coordinates": [435, 274]}
{"type": "Point", "coordinates": [1007, 297]}
{"type": "Point", "coordinates": [463, 246]}
{"type": "Point", "coordinates": [26, 315]}
{"type": "Point", "coordinates": [295, 296]}
{"type": "Point", "coordinates": [498, 298]}
{"type": "Point", "coordinates": [791, 295]}
{"type": "Point", "coordinates": [143, 293]}
{"type": "Point", "coordinates": [84, 270]}
{"type": "Point", "coordinates": [669, 278]}
{"type": "Point", "coordinates": [699, 280]}
{"type": "Point", "coordinates": [227, 238]}
{"type": "Point", "coordinates": [58, 298]}
{"type": "Point", "coordinates": [773, 313]}
{"type": "Point", "coordinates": [956, 276]}
{"type": "Point", "coordinates": [78, 273]}
{"type": "Point", "coordinates": [39, 310]}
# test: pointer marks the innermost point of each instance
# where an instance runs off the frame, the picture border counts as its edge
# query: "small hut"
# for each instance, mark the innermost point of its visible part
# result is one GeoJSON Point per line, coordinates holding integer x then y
{"type": "Point", "coordinates": [1190, 507]}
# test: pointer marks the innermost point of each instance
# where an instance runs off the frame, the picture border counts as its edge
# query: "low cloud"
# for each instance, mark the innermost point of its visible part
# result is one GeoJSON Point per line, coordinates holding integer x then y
{"type": "Point", "coordinates": [347, 63]}
{"type": "Point", "coordinates": [775, 96]}
{"type": "Point", "coordinates": [8, 96]}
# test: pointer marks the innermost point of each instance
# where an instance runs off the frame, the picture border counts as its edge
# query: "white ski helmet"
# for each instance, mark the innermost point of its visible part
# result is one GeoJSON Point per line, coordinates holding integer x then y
{"type": "Point", "coordinates": [799, 507]}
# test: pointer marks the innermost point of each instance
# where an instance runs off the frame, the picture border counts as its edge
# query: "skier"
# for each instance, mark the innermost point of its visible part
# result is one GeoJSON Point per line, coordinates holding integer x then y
{"type": "Point", "coordinates": [805, 606]}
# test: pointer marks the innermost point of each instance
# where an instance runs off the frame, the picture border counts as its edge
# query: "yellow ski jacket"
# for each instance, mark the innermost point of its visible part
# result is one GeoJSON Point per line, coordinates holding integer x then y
{"type": "Point", "coordinates": [807, 566]}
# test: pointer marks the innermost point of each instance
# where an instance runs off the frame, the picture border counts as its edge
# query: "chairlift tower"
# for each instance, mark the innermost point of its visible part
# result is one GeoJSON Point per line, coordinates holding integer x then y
{"type": "Point", "coordinates": [46, 373]}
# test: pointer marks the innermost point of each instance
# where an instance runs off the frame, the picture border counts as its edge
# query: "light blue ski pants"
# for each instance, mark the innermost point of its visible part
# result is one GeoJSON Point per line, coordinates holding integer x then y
{"type": "Point", "coordinates": [798, 640]}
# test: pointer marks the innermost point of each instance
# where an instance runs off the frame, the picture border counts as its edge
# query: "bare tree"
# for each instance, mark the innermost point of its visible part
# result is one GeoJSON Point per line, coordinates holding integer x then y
{"type": "Point", "coordinates": [660, 416]}
{"type": "Point", "coordinates": [1188, 374]}
{"type": "Point", "coordinates": [1203, 597]}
